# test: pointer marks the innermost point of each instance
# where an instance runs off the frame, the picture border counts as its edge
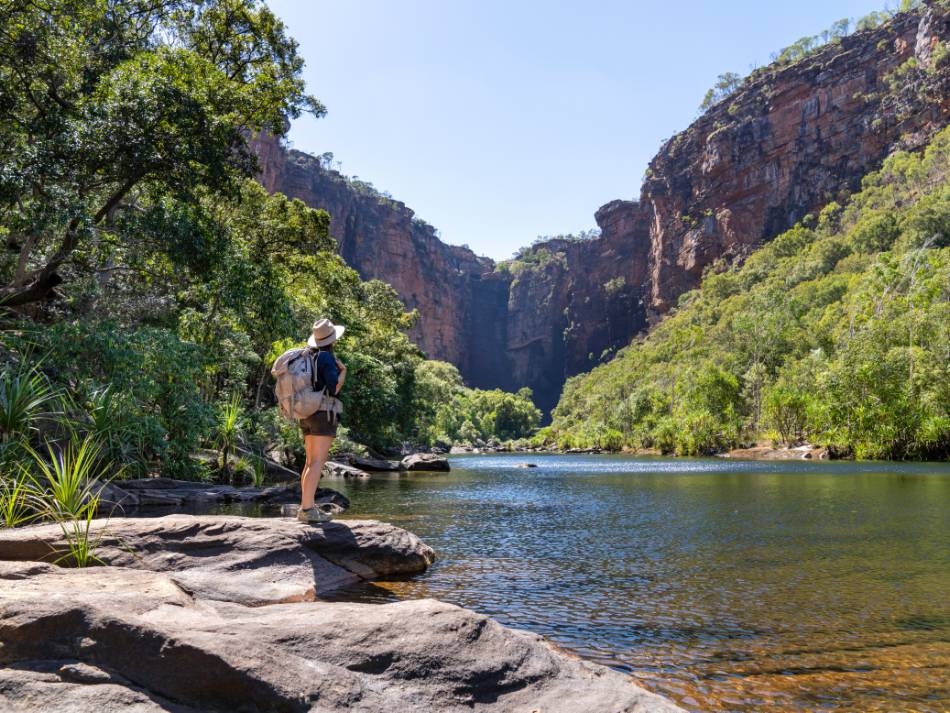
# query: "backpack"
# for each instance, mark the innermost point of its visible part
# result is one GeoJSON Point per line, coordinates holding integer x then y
{"type": "Point", "coordinates": [296, 388]}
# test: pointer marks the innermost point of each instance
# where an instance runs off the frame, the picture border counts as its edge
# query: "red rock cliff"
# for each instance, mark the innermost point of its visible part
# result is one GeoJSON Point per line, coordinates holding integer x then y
{"type": "Point", "coordinates": [792, 139]}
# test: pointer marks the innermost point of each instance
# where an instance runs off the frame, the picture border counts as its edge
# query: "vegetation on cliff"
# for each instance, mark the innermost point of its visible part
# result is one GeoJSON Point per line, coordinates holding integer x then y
{"type": "Point", "coordinates": [728, 82]}
{"type": "Point", "coordinates": [148, 282]}
{"type": "Point", "coordinates": [837, 332]}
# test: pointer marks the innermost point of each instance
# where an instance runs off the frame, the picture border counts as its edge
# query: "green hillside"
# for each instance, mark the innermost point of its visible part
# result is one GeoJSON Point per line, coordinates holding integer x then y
{"type": "Point", "coordinates": [836, 333]}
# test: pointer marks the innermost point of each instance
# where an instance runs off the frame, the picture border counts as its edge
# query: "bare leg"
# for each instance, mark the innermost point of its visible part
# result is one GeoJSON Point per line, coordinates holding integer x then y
{"type": "Point", "coordinates": [318, 450]}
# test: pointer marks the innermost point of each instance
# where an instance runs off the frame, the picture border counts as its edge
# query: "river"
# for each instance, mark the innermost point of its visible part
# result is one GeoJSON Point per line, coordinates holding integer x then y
{"type": "Point", "coordinates": [725, 585]}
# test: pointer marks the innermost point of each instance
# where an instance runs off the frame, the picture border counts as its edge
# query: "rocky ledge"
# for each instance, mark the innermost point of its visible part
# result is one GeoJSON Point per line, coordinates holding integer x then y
{"type": "Point", "coordinates": [805, 452]}
{"type": "Point", "coordinates": [222, 614]}
{"type": "Point", "coordinates": [110, 639]}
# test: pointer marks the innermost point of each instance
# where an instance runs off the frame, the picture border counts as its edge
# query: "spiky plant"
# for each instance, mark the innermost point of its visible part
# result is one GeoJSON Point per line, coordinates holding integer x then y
{"type": "Point", "coordinates": [25, 397]}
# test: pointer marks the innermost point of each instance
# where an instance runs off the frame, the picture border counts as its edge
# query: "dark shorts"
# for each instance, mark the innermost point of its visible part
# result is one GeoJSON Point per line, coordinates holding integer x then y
{"type": "Point", "coordinates": [322, 423]}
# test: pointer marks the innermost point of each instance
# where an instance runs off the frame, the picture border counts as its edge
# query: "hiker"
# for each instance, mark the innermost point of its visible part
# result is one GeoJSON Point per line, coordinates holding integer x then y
{"type": "Point", "coordinates": [308, 383]}
{"type": "Point", "coordinates": [319, 429]}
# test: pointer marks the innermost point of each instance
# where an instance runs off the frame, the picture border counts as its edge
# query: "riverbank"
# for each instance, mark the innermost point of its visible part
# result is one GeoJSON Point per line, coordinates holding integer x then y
{"type": "Point", "coordinates": [225, 613]}
{"type": "Point", "coordinates": [757, 452]}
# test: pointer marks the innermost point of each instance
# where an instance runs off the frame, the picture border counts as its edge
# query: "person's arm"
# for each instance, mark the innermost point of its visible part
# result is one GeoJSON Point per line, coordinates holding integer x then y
{"type": "Point", "coordinates": [341, 374]}
{"type": "Point", "coordinates": [329, 374]}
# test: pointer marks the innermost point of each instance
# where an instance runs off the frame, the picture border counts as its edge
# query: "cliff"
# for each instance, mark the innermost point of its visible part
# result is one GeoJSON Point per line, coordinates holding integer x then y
{"type": "Point", "coordinates": [793, 138]}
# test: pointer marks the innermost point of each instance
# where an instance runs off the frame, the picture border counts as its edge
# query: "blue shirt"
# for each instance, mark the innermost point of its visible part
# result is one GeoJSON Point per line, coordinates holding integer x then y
{"type": "Point", "coordinates": [328, 375]}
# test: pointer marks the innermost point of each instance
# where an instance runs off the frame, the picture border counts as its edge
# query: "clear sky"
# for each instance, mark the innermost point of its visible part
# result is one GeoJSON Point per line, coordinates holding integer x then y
{"type": "Point", "coordinates": [501, 120]}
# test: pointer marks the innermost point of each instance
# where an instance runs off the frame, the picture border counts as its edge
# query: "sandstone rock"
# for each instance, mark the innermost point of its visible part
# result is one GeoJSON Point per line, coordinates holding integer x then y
{"type": "Point", "coordinates": [374, 464]}
{"type": "Point", "coordinates": [253, 561]}
{"type": "Point", "coordinates": [341, 470]}
{"type": "Point", "coordinates": [459, 450]}
{"type": "Point", "coordinates": [103, 639]}
{"type": "Point", "coordinates": [425, 461]}
{"type": "Point", "coordinates": [129, 495]}
{"type": "Point", "coordinates": [768, 453]}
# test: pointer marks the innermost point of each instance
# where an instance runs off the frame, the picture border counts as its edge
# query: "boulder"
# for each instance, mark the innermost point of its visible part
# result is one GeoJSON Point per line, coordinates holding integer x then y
{"type": "Point", "coordinates": [374, 464]}
{"type": "Point", "coordinates": [340, 470]}
{"type": "Point", "coordinates": [527, 465]}
{"type": "Point", "coordinates": [805, 452]}
{"type": "Point", "coordinates": [115, 639]}
{"type": "Point", "coordinates": [252, 561]}
{"type": "Point", "coordinates": [123, 495]}
{"type": "Point", "coordinates": [425, 461]}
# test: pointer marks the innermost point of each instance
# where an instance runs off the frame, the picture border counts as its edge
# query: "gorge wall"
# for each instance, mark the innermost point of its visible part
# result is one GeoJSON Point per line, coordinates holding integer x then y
{"type": "Point", "coordinates": [792, 139]}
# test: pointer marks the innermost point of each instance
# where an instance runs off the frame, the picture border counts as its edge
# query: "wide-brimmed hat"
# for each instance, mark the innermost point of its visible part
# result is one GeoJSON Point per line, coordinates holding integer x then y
{"type": "Point", "coordinates": [325, 333]}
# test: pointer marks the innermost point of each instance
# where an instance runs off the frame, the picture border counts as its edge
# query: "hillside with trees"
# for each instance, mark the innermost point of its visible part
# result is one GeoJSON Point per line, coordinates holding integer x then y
{"type": "Point", "coordinates": [836, 333]}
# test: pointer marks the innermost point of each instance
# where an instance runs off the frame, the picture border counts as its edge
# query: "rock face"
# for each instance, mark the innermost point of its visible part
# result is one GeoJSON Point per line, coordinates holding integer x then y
{"type": "Point", "coordinates": [252, 561]}
{"type": "Point", "coordinates": [793, 139]}
{"type": "Point", "coordinates": [109, 638]}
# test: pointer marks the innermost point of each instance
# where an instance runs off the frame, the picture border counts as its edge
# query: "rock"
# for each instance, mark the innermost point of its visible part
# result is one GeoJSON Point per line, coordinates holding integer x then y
{"type": "Point", "coordinates": [527, 465]}
{"type": "Point", "coordinates": [107, 638]}
{"type": "Point", "coordinates": [459, 450]}
{"type": "Point", "coordinates": [805, 452]}
{"type": "Point", "coordinates": [130, 495]}
{"type": "Point", "coordinates": [374, 464]}
{"type": "Point", "coordinates": [340, 470]}
{"type": "Point", "coordinates": [425, 461]}
{"type": "Point", "coordinates": [248, 560]}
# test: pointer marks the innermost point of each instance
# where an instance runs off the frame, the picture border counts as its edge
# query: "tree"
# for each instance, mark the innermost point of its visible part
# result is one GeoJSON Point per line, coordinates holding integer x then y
{"type": "Point", "coordinates": [725, 85]}
{"type": "Point", "coordinates": [109, 103]}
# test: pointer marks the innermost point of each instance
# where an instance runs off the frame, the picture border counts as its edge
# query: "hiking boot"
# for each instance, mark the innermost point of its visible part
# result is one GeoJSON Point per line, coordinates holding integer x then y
{"type": "Point", "coordinates": [314, 515]}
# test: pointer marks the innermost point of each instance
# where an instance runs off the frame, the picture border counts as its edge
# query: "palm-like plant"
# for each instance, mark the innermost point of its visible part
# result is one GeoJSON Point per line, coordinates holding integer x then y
{"type": "Point", "coordinates": [25, 396]}
{"type": "Point", "coordinates": [229, 431]}
{"type": "Point", "coordinates": [18, 501]}
{"type": "Point", "coordinates": [70, 475]}
{"type": "Point", "coordinates": [81, 542]}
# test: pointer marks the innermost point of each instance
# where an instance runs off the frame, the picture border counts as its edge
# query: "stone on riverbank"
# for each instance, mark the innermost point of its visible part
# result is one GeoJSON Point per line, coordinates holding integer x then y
{"type": "Point", "coordinates": [374, 464]}
{"type": "Point", "coordinates": [425, 461]}
{"type": "Point", "coordinates": [805, 452]}
{"type": "Point", "coordinates": [341, 470]}
{"type": "Point", "coordinates": [107, 638]}
{"type": "Point", "coordinates": [168, 493]}
{"type": "Point", "coordinates": [247, 560]}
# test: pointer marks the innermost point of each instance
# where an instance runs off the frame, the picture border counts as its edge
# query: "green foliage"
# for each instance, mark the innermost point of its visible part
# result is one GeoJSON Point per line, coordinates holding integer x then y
{"type": "Point", "coordinates": [448, 412]}
{"type": "Point", "coordinates": [726, 84]}
{"type": "Point", "coordinates": [837, 334]}
{"type": "Point", "coordinates": [113, 107]}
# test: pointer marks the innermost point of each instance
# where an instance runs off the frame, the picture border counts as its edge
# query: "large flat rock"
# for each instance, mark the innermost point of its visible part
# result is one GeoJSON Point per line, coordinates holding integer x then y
{"type": "Point", "coordinates": [112, 638]}
{"type": "Point", "coordinates": [145, 493]}
{"type": "Point", "coordinates": [252, 561]}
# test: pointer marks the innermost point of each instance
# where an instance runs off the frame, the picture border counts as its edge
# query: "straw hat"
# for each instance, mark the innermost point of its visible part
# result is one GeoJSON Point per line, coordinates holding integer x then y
{"type": "Point", "coordinates": [325, 333]}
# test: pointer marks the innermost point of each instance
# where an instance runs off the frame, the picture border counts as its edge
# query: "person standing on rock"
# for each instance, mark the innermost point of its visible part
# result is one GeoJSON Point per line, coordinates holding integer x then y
{"type": "Point", "coordinates": [319, 429]}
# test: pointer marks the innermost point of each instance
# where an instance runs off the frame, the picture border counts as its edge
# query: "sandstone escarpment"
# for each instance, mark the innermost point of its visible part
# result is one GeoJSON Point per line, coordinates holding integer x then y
{"type": "Point", "coordinates": [792, 139]}
{"type": "Point", "coordinates": [382, 239]}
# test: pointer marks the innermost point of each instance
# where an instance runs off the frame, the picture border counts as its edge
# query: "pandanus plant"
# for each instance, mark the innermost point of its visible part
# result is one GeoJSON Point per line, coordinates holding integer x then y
{"type": "Point", "coordinates": [229, 431]}
{"type": "Point", "coordinates": [68, 492]}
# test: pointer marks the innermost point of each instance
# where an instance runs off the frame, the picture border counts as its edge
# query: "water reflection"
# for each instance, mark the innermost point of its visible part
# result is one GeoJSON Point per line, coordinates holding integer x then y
{"type": "Point", "coordinates": [730, 586]}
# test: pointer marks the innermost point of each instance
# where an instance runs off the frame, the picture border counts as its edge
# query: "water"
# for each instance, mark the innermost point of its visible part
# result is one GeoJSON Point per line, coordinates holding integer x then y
{"type": "Point", "coordinates": [727, 586]}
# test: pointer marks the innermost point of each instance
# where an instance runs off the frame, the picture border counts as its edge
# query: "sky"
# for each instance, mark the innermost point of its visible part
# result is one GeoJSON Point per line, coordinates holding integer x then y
{"type": "Point", "coordinates": [499, 121]}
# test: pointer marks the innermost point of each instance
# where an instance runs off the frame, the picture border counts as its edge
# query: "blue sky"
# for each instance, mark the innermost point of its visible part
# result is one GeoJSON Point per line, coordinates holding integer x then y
{"type": "Point", "coordinates": [501, 121]}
